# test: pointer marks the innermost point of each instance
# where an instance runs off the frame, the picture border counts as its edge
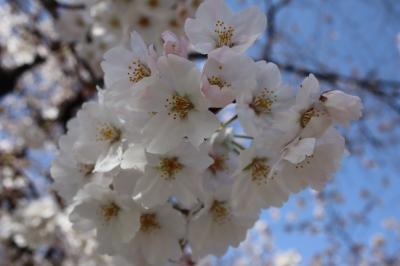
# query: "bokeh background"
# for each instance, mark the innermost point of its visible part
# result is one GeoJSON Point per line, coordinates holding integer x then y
{"type": "Point", "coordinates": [351, 45]}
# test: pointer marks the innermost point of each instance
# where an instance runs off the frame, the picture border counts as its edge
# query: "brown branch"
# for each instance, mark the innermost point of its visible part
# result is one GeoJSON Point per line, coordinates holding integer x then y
{"type": "Point", "coordinates": [10, 77]}
{"type": "Point", "coordinates": [272, 12]}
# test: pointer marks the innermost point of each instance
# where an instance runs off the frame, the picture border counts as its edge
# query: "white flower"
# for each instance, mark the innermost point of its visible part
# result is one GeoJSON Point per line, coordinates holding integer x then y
{"type": "Point", "coordinates": [257, 184]}
{"type": "Point", "coordinates": [158, 237]}
{"type": "Point", "coordinates": [215, 26]}
{"type": "Point", "coordinates": [219, 225]}
{"type": "Point", "coordinates": [116, 218]}
{"type": "Point", "coordinates": [128, 71]}
{"type": "Point", "coordinates": [320, 160]}
{"type": "Point", "coordinates": [180, 108]}
{"type": "Point", "coordinates": [176, 173]}
{"type": "Point", "coordinates": [307, 117]}
{"type": "Point", "coordinates": [257, 106]}
{"type": "Point", "coordinates": [101, 136]}
{"type": "Point", "coordinates": [225, 160]}
{"type": "Point", "coordinates": [342, 107]}
{"type": "Point", "coordinates": [226, 74]}
{"type": "Point", "coordinates": [69, 174]}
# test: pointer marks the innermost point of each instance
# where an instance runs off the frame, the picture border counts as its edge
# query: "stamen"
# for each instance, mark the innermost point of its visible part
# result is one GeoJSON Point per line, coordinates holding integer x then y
{"type": "Point", "coordinates": [85, 169]}
{"type": "Point", "coordinates": [179, 106]}
{"type": "Point", "coordinates": [217, 81]}
{"type": "Point", "coordinates": [153, 3]}
{"type": "Point", "coordinates": [224, 33]}
{"type": "Point", "coordinates": [220, 212]}
{"type": "Point", "coordinates": [218, 164]}
{"type": "Point", "coordinates": [110, 211]}
{"type": "Point", "coordinates": [169, 167]}
{"type": "Point", "coordinates": [262, 103]}
{"type": "Point", "coordinates": [138, 71]}
{"type": "Point", "coordinates": [107, 132]}
{"type": "Point", "coordinates": [115, 22]}
{"type": "Point", "coordinates": [305, 162]}
{"type": "Point", "coordinates": [260, 171]}
{"type": "Point", "coordinates": [149, 223]}
{"type": "Point", "coordinates": [144, 22]}
{"type": "Point", "coordinates": [306, 117]}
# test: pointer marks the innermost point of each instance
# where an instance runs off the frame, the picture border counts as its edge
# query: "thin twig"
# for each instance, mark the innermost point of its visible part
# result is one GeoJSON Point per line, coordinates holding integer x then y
{"type": "Point", "coordinates": [230, 121]}
{"type": "Point", "coordinates": [243, 137]}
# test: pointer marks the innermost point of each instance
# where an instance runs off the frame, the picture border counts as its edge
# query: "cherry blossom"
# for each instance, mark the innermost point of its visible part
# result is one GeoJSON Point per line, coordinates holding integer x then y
{"type": "Point", "coordinates": [216, 26]}
{"type": "Point", "coordinates": [174, 173]}
{"type": "Point", "coordinates": [174, 160]}
{"type": "Point", "coordinates": [128, 71]}
{"type": "Point", "coordinates": [116, 218]}
{"type": "Point", "coordinates": [219, 224]}
{"type": "Point", "coordinates": [226, 75]}
{"type": "Point", "coordinates": [180, 110]}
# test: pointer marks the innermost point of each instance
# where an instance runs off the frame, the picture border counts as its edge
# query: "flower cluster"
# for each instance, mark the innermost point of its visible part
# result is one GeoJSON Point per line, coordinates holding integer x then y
{"type": "Point", "coordinates": [150, 166]}
{"type": "Point", "coordinates": [102, 24]}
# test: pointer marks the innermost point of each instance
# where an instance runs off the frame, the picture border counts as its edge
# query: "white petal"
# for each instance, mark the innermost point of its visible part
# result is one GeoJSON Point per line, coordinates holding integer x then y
{"type": "Point", "coordinates": [297, 152]}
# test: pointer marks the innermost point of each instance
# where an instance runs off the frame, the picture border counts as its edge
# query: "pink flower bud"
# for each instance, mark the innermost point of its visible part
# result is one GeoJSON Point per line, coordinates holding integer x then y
{"type": "Point", "coordinates": [174, 45]}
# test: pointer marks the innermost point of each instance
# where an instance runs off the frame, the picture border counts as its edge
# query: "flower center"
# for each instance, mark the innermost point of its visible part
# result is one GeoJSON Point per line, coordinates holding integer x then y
{"type": "Point", "coordinates": [218, 164]}
{"type": "Point", "coordinates": [110, 211]}
{"type": "Point", "coordinates": [108, 132]}
{"type": "Point", "coordinates": [259, 170]}
{"type": "Point", "coordinates": [115, 23]}
{"type": "Point", "coordinates": [306, 117]}
{"type": "Point", "coordinates": [138, 71]}
{"type": "Point", "coordinates": [85, 169]}
{"type": "Point", "coordinates": [169, 167]}
{"type": "Point", "coordinates": [262, 103]}
{"type": "Point", "coordinates": [149, 223]}
{"type": "Point", "coordinates": [179, 106]}
{"type": "Point", "coordinates": [153, 3]}
{"type": "Point", "coordinates": [220, 212]}
{"type": "Point", "coordinates": [144, 22]}
{"type": "Point", "coordinates": [224, 34]}
{"type": "Point", "coordinates": [217, 81]}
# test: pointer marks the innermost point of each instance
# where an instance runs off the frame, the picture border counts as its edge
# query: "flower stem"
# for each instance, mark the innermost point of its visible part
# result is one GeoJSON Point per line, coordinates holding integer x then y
{"type": "Point", "coordinates": [243, 137]}
{"type": "Point", "coordinates": [230, 121]}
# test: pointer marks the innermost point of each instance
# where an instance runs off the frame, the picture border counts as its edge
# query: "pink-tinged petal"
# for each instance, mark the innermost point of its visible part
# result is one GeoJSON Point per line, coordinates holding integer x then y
{"type": "Point", "coordinates": [268, 75]}
{"type": "Point", "coordinates": [249, 25]}
{"type": "Point", "coordinates": [174, 45]}
{"type": "Point", "coordinates": [199, 38]}
{"type": "Point", "coordinates": [212, 10]}
{"type": "Point", "coordinates": [218, 97]}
